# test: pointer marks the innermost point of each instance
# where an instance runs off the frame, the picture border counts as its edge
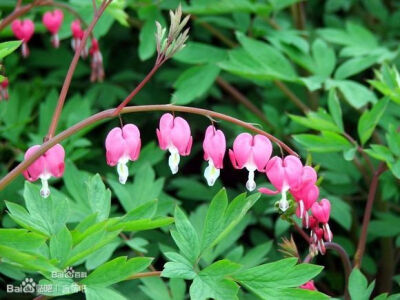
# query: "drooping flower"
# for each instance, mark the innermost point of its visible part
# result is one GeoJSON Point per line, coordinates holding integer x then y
{"type": "Point", "coordinates": [50, 164]}
{"type": "Point", "coordinates": [52, 20]}
{"type": "Point", "coordinates": [309, 285]}
{"type": "Point", "coordinates": [123, 145]}
{"type": "Point", "coordinates": [283, 175]}
{"type": "Point", "coordinates": [23, 30]}
{"type": "Point", "coordinates": [305, 198]}
{"type": "Point", "coordinates": [174, 135]}
{"type": "Point", "coordinates": [214, 146]}
{"type": "Point", "coordinates": [321, 212]}
{"type": "Point", "coordinates": [252, 153]}
{"type": "Point", "coordinates": [4, 89]}
{"type": "Point", "coordinates": [77, 36]}
{"type": "Point", "coordinates": [306, 193]}
{"type": "Point", "coordinates": [97, 62]}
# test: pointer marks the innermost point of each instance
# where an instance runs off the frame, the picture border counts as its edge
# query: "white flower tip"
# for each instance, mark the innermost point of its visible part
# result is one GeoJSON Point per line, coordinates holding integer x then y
{"type": "Point", "coordinates": [123, 172]}
{"type": "Point", "coordinates": [211, 173]}
{"type": "Point", "coordinates": [173, 161]}
{"type": "Point", "coordinates": [251, 185]}
{"type": "Point", "coordinates": [283, 205]}
{"type": "Point", "coordinates": [44, 192]}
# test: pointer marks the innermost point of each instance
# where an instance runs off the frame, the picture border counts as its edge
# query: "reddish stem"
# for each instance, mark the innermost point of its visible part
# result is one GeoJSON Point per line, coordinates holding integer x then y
{"type": "Point", "coordinates": [144, 108]}
{"type": "Point", "coordinates": [71, 70]}
{"type": "Point", "coordinates": [124, 103]}
{"type": "Point", "coordinates": [146, 274]}
{"type": "Point", "coordinates": [367, 215]}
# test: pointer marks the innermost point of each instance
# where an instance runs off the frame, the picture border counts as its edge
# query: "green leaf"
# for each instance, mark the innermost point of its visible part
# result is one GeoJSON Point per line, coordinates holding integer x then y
{"type": "Point", "coordinates": [288, 294]}
{"type": "Point", "coordinates": [143, 224]}
{"type": "Point", "coordinates": [279, 274]}
{"type": "Point", "coordinates": [256, 255]}
{"type": "Point", "coordinates": [357, 95]}
{"type": "Point", "coordinates": [334, 108]}
{"type": "Point", "coordinates": [226, 6]}
{"type": "Point", "coordinates": [324, 58]}
{"type": "Point", "coordinates": [274, 280]}
{"type": "Point", "coordinates": [388, 225]}
{"type": "Point", "coordinates": [100, 293]}
{"type": "Point", "coordinates": [59, 286]}
{"type": "Point", "coordinates": [369, 120]}
{"type": "Point", "coordinates": [7, 48]}
{"type": "Point", "coordinates": [102, 255]}
{"type": "Point", "coordinates": [185, 236]}
{"type": "Point", "coordinates": [199, 53]}
{"type": "Point", "coordinates": [178, 267]}
{"type": "Point", "coordinates": [354, 66]}
{"type": "Point", "coordinates": [393, 139]}
{"type": "Point", "coordinates": [46, 215]}
{"type": "Point", "coordinates": [326, 142]}
{"type": "Point", "coordinates": [235, 212]}
{"type": "Point", "coordinates": [388, 82]}
{"type": "Point", "coordinates": [212, 282]}
{"type": "Point", "coordinates": [271, 61]}
{"type": "Point", "coordinates": [380, 152]}
{"type": "Point", "coordinates": [358, 286]}
{"type": "Point", "coordinates": [94, 238]}
{"type": "Point", "coordinates": [116, 270]}
{"type": "Point", "coordinates": [317, 120]}
{"type": "Point", "coordinates": [99, 197]}
{"type": "Point", "coordinates": [341, 212]}
{"type": "Point", "coordinates": [21, 239]}
{"type": "Point", "coordinates": [194, 82]}
{"type": "Point", "coordinates": [395, 169]}
{"type": "Point", "coordinates": [26, 261]}
{"type": "Point", "coordinates": [149, 14]}
{"type": "Point", "coordinates": [214, 222]}
{"type": "Point", "coordinates": [61, 245]}
{"type": "Point", "coordinates": [145, 188]}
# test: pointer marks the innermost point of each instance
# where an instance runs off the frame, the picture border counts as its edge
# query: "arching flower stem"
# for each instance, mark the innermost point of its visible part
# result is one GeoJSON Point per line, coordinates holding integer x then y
{"type": "Point", "coordinates": [134, 109]}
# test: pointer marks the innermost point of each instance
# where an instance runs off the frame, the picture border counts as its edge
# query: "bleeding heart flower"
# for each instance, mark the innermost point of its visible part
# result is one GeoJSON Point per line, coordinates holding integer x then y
{"type": "Point", "coordinates": [283, 174]}
{"type": "Point", "coordinates": [309, 285]}
{"type": "Point", "coordinates": [47, 165]}
{"type": "Point", "coordinates": [174, 135]}
{"type": "Point", "coordinates": [305, 198]}
{"type": "Point", "coordinates": [52, 20]}
{"type": "Point", "coordinates": [4, 89]}
{"type": "Point", "coordinates": [214, 146]}
{"type": "Point", "coordinates": [252, 153]}
{"type": "Point", "coordinates": [321, 212]}
{"type": "Point", "coordinates": [23, 30]}
{"type": "Point", "coordinates": [77, 36]}
{"type": "Point", "coordinates": [97, 62]}
{"type": "Point", "coordinates": [306, 193]}
{"type": "Point", "coordinates": [123, 145]}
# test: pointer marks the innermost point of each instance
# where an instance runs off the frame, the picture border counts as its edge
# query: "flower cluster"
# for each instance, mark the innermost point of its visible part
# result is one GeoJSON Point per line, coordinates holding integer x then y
{"type": "Point", "coordinates": [52, 20]}
{"type": "Point", "coordinates": [287, 175]}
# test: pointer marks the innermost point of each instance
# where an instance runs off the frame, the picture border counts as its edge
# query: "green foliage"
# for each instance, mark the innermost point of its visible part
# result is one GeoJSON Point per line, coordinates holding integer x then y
{"type": "Point", "coordinates": [338, 58]}
{"type": "Point", "coordinates": [6, 48]}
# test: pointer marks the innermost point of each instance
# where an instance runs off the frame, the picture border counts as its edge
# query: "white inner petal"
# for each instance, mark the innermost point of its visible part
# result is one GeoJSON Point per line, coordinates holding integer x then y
{"type": "Point", "coordinates": [251, 184]}
{"type": "Point", "coordinates": [122, 170]}
{"type": "Point", "coordinates": [283, 203]}
{"type": "Point", "coordinates": [174, 159]}
{"type": "Point", "coordinates": [211, 173]}
{"type": "Point", "coordinates": [45, 190]}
